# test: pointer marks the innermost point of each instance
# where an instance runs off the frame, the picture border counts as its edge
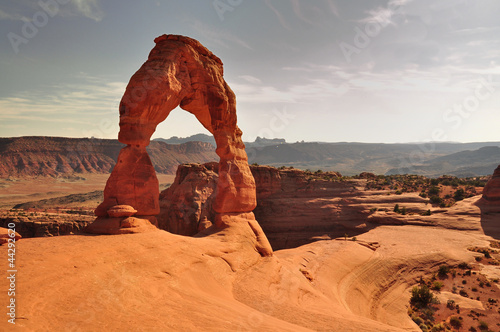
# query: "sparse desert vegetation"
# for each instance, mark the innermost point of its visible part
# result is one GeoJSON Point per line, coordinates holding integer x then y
{"type": "Point", "coordinates": [435, 306]}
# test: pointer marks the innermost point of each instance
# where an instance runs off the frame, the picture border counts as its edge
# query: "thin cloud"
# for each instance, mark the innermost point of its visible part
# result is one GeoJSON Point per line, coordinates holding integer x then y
{"type": "Point", "coordinates": [381, 15]}
{"type": "Point", "coordinates": [66, 101]}
{"type": "Point", "coordinates": [303, 15]}
{"type": "Point", "coordinates": [280, 17]}
{"type": "Point", "coordinates": [90, 9]}
{"type": "Point", "coordinates": [86, 8]}
{"type": "Point", "coordinates": [298, 11]}
{"type": "Point", "coordinates": [12, 16]}
{"type": "Point", "coordinates": [385, 15]}
{"type": "Point", "coordinates": [333, 7]}
{"type": "Point", "coordinates": [221, 37]}
{"type": "Point", "coordinates": [40, 119]}
{"type": "Point", "coordinates": [311, 91]}
{"type": "Point", "coordinates": [251, 79]}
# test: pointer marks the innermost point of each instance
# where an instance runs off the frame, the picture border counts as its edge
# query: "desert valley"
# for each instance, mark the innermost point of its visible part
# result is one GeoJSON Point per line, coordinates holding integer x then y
{"type": "Point", "coordinates": [346, 259]}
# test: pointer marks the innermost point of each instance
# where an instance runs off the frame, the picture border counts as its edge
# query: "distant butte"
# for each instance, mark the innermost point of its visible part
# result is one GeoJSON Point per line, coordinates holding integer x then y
{"type": "Point", "coordinates": [180, 72]}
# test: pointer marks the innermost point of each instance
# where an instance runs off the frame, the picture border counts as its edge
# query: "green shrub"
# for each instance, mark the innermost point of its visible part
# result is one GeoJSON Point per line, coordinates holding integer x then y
{"type": "Point", "coordinates": [423, 327]}
{"type": "Point", "coordinates": [443, 271]}
{"type": "Point", "coordinates": [436, 200]}
{"type": "Point", "coordinates": [483, 326]}
{"type": "Point", "coordinates": [459, 195]}
{"type": "Point", "coordinates": [438, 327]}
{"type": "Point", "coordinates": [418, 320]}
{"type": "Point", "coordinates": [434, 191]}
{"type": "Point", "coordinates": [464, 266]}
{"type": "Point", "coordinates": [437, 285]}
{"type": "Point", "coordinates": [421, 296]}
{"type": "Point", "coordinates": [456, 322]}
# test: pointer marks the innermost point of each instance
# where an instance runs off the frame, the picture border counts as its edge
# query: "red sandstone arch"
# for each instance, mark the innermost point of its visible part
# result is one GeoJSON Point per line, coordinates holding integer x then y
{"type": "Point", "coordinates": [181, 72]}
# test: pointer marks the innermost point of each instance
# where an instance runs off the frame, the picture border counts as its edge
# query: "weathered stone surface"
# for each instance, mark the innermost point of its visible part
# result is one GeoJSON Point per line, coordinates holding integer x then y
{"type": "Point", "coordinates": [133, 182]}
{"type": "Point", "coordinates": [491, 191]}
{"type": "Point", "coordinates": [5, 235]}
{"type": "Point", "coordinates": [180, 72]}
{"type": "Point", "coordinates": [119, 211]}
{"type": "Point", "coordinates": [188, 201]}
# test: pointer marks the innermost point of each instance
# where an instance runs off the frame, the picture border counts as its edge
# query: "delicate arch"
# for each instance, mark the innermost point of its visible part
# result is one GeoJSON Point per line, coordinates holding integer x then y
{"type": "Point", "coordinates": [180, 72]}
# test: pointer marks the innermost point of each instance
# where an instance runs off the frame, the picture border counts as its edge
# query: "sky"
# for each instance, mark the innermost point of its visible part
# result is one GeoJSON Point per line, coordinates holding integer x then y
{"type": "Point", "coordinates": [385, 71]}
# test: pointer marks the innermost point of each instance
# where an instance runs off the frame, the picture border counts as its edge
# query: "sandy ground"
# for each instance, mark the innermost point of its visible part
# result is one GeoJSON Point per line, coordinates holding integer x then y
{"type": "Point", "coordinates": [160, 281]}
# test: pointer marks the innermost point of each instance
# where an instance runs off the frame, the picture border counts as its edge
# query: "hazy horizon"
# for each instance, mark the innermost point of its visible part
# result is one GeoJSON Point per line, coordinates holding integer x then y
{"type": "Point", "coordinates": [384, 71]}
{"type": "Point", "coordinates": [287, 141]}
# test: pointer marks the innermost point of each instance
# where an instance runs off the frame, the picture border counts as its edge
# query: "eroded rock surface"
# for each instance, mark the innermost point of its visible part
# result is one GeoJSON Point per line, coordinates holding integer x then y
{"type": "Point", "coordinates": [292, 207]}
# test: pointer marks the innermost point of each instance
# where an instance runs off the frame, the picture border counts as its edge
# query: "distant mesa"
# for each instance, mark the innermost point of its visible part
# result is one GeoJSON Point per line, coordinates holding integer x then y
{"type": "Point", "coordinates": [34, 156]}
{"type": "Point", "coordinates": [181, 72]}
{"type": "Point", "coordinates": [259, 142]}
{"type": "Point", "coordinates": [193, 138]}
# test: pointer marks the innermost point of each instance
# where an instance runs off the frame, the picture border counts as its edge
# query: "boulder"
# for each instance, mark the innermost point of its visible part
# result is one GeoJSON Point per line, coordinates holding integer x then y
{"type": "Point", "coordinates": [491, 191]}
{"type": "Point", "coordinates": [119, 211]}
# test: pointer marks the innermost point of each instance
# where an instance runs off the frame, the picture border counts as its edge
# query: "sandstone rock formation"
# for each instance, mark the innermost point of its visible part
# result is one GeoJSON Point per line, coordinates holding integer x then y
{"type": "Point", "coordinates": [293, 206]}
{"type": "Point", "coordinates": [181, 72]}
{"type": "Point", "coordinates": [187, 204]}
{"type": "Point", "coordinates": [491, 191]}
